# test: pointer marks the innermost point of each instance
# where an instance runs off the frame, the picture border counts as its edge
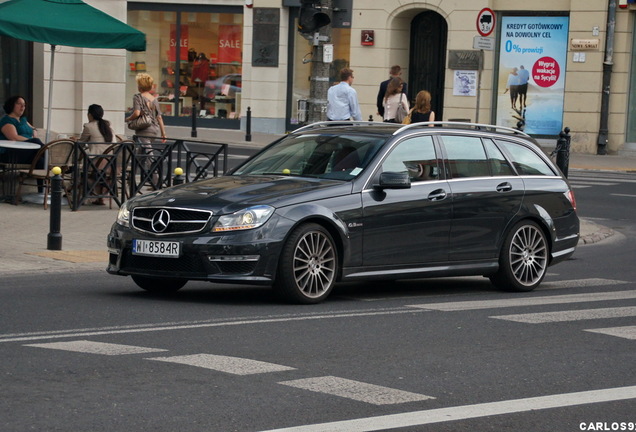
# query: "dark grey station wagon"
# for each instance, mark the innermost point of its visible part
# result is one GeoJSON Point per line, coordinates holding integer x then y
{"type": "Point", "coordinates": [347, 201]}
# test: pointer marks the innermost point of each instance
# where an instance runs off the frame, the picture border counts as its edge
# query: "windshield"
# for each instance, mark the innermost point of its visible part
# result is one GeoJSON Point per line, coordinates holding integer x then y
{"type": "Point", "coordinates": [340, 157]}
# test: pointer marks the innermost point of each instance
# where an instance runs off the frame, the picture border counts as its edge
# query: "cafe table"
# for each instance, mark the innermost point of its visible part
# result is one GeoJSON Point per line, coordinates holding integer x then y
{"type": "Point", "coordinates": [11, 166]}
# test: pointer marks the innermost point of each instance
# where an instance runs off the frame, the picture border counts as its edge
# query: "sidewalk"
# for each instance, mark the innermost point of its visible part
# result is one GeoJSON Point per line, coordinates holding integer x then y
{"type": "Point", "coordinates": [25, 228]}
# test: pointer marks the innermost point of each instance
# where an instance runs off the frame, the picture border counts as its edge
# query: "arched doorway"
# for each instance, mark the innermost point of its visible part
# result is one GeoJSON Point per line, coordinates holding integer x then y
{"type": "Point", "coordinates": [427, 60]}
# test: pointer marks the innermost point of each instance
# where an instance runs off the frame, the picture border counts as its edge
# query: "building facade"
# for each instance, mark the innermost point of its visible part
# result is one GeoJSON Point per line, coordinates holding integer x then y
{"type": "Point", "coordinates": [549, 64]}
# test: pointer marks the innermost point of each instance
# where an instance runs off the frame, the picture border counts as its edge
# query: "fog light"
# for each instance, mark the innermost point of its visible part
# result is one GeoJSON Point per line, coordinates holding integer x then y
{"type": "Point", "coordinates": [219, 258]}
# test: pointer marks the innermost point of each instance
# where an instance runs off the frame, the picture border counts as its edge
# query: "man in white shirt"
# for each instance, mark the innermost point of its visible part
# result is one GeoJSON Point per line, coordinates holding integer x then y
{"type": "Point", "coordinates": [342, 99]}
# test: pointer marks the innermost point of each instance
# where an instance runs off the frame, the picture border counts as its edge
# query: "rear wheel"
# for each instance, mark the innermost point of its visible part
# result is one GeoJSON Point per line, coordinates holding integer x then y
{"type": "Point", "coordinates": [524, 258]}
{"type": "Point", "coordinates": [159, 285]}
{"type": "Point", "coordinates": [308, 265]}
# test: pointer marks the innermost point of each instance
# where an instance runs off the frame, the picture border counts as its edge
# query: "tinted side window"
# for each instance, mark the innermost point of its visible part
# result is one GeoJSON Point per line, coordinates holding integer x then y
{"type": "Point", "coordinates": [415, 156]}
{"type": "Point", "coordinates": [526, 161]}
{"type": "Point", "coordinates": [499, 166]}
{"type": "Point", "coordinates": [466, 156]}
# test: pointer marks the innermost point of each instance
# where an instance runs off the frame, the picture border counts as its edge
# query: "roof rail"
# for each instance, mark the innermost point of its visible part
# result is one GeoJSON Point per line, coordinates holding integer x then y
{"type": "Point", "coordinates": [492, 128]}
{"type": "Point", "coordinates": [338, 123]}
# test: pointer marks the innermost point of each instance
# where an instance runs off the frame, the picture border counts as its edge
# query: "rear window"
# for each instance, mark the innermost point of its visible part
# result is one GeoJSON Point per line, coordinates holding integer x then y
{"type": "Point", "coordinates": [525, 160]}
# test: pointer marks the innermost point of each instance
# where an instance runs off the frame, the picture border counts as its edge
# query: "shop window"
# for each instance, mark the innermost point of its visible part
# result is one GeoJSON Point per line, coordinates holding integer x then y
{"type": "Point", "coordinates": [195, 59]}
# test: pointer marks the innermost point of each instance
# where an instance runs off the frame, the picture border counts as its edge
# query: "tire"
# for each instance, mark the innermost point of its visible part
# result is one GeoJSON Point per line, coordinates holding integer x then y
{"type": "Point", "coordinates": [159, 285]}
{"type": "Point", "coordinates": [524, 258]}
{"type": "Point", "coordinates": [308, 265]}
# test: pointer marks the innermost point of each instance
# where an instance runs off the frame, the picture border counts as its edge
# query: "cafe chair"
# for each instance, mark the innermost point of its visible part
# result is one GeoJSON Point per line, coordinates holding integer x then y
{"type": "Point", "coordinates": [58, 153]}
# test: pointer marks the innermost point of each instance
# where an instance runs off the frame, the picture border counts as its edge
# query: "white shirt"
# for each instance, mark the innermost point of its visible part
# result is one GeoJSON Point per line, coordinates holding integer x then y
{"type": "Point", "coordinates": [342, 102]}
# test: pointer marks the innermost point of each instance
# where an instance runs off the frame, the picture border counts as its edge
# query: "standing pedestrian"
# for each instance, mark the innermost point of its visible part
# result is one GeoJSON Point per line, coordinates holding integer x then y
{"type": "Point", "coordinates": [342, 99]}
{"type": "Point", "coordinates": [393, 99]}
{"type": "Point", "coordinates": [422, 110]}
{"type": "Point", "coordinates": [394, 72]}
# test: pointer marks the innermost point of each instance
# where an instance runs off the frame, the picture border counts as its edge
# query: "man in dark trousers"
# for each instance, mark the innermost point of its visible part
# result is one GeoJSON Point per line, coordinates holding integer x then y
{"type": "Point", "coordinates": [396, 71]}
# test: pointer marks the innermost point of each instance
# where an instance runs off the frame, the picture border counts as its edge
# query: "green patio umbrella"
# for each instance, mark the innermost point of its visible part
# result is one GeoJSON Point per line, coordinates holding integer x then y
{"type": "Point", "coordinates": [66, 22]}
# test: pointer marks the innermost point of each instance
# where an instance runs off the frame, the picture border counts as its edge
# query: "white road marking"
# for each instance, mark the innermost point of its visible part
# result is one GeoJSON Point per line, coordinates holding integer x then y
{"type": "Point", "coordinates": [90, 347]}
{"type": "Point", "coordinates": [359, 391]}
{"type": "Point", "coordinates": [441, 415]}
{"type": "Point", "coordinates": [231, 365]}
{"type": "Point", "coordinates": [623, 195]}
{"type": "Point", "coordinates": [143, 328]}
{"type": "Point", "coordinates": [627, 332]}
{"type": "Point", "coordinates": [592, 183]}
{"type": "Point", "coordinates": [528, 301]}
{"type": "Point", "coordinates": [573, 315]}
{"type": "Point", "coordinates": [574, 186]}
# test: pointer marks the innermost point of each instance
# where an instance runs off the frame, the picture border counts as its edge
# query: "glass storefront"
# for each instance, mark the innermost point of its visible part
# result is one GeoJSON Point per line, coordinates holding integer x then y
{"type": "Point", "coordinates": [301, 69]}
{"type": "Point", "coordinates": [194, 54]}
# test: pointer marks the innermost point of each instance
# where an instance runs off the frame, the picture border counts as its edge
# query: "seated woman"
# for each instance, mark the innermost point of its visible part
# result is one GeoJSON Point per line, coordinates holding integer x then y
{"type": "Point", "coordinates": [15, 127]}
{"type": "Point", "coordinates": [98, 133]}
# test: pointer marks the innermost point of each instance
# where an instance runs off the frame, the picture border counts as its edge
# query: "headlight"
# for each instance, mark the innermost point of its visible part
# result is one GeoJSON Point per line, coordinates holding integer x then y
{"type": "Point", "coordinates": [248, 218]}
{"type": "Point", "coordinates": [123, 216]}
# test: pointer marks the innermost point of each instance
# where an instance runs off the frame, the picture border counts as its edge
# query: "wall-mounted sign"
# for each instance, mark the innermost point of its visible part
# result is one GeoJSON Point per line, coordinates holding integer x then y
{"type": "Point", "coordinates": [484, 43]}
{"type": "Point", "coordinates": [464, 59]}
{"type": "Point", "coordinates": [485, 21]}
{"type": "Point", "coordinates": [584, 44]}
{"type": "Point", "coordinates": [266, 23]}
{"type": "Point", "coordinates": [367, 37]}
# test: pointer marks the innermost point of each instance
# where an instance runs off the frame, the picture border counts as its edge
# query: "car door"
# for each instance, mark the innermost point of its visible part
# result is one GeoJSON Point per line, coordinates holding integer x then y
{"type": "Point", "coordinates": [486, 196]}
{"type": "Point", "coordinates": [408, 226]}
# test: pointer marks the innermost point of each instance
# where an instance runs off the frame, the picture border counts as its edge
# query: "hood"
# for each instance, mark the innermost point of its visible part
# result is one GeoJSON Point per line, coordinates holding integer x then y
{"type": "Point", "coordinates": [231, 193]}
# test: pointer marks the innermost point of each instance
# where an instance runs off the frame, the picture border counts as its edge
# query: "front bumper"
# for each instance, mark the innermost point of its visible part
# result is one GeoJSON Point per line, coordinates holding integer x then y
{"type": "Point", "coordinates": [246, 257]}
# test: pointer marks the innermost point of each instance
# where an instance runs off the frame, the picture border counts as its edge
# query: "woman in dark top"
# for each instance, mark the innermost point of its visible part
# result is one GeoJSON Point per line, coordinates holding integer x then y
{"type": "Point", "coordinates": [422, 110]}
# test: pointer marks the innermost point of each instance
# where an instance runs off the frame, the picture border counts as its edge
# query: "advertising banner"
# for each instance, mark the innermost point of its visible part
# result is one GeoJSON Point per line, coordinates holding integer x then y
{"type": "Point", "coordinates": [184, 43]}
{"type": "Point", "coordinates": [531, 77]}
{"type": "Point", "coordinates": [230, 37]}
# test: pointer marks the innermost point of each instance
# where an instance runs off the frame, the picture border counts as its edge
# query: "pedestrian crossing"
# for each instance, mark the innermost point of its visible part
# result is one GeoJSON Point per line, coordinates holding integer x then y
{"type": "Point", "coordinates": [586, 179]}
{"type": "Point", "coordinates": [371, 393]}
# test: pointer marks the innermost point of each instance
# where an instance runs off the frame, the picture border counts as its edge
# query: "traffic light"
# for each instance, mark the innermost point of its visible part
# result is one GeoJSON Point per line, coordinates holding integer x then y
{"type": "Point", "coordinates": [311, 18]}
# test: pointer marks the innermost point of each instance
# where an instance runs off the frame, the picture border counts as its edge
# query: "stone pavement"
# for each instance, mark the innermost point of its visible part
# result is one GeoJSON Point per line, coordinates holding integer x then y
{"type": "Point", "coordinates": [24, 229]}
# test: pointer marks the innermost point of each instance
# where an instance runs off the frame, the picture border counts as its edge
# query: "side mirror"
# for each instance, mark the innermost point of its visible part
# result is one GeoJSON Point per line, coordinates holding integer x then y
{"type": "Point", "coordinates": [394, 180]}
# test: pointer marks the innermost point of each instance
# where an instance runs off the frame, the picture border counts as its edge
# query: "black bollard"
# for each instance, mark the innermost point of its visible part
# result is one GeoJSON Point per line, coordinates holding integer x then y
{"type": "Point", "coordinates": [54, 238]}
{"type": "Point", "coordinates": [370, 117]}
{"type": "Point", "coordinates": [193, 133]}
{"type": "Point", "coordinates": [248, 125]}
{"type": "Point", "coordinates": [178, 176]}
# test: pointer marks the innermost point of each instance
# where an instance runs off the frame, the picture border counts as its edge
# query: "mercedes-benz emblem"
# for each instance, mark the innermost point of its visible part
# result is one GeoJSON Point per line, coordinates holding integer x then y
{"type": "Point", "coordinates": [160, 220]}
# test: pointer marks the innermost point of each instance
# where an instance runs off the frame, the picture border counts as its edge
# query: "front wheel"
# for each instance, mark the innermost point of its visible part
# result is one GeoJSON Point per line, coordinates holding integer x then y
{"type": "Point", "coordinates": [159, 285]}
{"type": "Point", "coordinates": [308, 265]}
{"type": "Point", "coordinates": [524, 258]}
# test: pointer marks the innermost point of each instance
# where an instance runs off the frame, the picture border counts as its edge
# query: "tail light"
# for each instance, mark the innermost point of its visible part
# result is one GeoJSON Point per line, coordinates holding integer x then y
{"type": "Point", "coordinates": [570, 196]}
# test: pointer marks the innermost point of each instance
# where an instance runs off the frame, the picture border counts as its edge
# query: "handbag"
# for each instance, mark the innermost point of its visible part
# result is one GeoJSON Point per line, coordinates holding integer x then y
{"type": "Point", "coordinates": [143, 121]}
{"type": "Point", "coordinates": [407, 119]}
{"type": "Point", "coordinates": [402, 112]}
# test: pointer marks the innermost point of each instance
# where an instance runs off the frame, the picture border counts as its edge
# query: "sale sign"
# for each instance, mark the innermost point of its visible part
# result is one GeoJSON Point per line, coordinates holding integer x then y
{"type": "Point", "coordinates": [183, 43]}
{"type": "Point", "coordinates": [531, 76]}
{"type": "Point", "coordinates": [230, 38]}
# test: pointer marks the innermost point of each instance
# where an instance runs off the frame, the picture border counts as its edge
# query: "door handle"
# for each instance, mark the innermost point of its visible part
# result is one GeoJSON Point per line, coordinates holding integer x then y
{"type": "Point", "coordinates": [504, 187]}
{"type": "Point", "coordinates": [437, 195]}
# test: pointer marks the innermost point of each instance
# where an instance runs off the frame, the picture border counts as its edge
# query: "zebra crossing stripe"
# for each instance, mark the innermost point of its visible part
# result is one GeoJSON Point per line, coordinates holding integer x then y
{"type": "Point", "coordinates": [231, 365]}
{"type": "Point", "coordinates": [89, 347]}
{"type": "Point", "coordinates": [443, 415]}
{"type": "Point", "coordinates": [359, 391]}
{"type": "Point", "coordinates": [529, 301]}
{"type": "Point", "coordinates": [627, 332]}
{"type": "Point", "coordinates": [572, 315]}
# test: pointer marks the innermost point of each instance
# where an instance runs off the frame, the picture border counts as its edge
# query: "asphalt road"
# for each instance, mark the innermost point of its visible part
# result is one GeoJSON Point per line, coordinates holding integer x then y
{"type": "Point", "coordinates": [91, 352]}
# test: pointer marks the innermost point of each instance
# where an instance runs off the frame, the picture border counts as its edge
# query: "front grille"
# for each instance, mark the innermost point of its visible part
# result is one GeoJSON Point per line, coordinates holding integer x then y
{"type": "Point", "coordinates": [169, 220]}
{"type": "Point", "coordinates": [236, 267]}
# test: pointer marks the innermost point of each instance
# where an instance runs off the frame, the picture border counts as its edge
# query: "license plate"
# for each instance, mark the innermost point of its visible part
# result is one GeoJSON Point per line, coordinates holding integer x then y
{"type": "Point", "coordinates": [156, 248]}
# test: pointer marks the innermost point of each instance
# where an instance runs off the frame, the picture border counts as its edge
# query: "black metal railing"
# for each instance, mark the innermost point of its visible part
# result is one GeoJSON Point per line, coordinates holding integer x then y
{"type": "Point", "coordinates": [131, 167]}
